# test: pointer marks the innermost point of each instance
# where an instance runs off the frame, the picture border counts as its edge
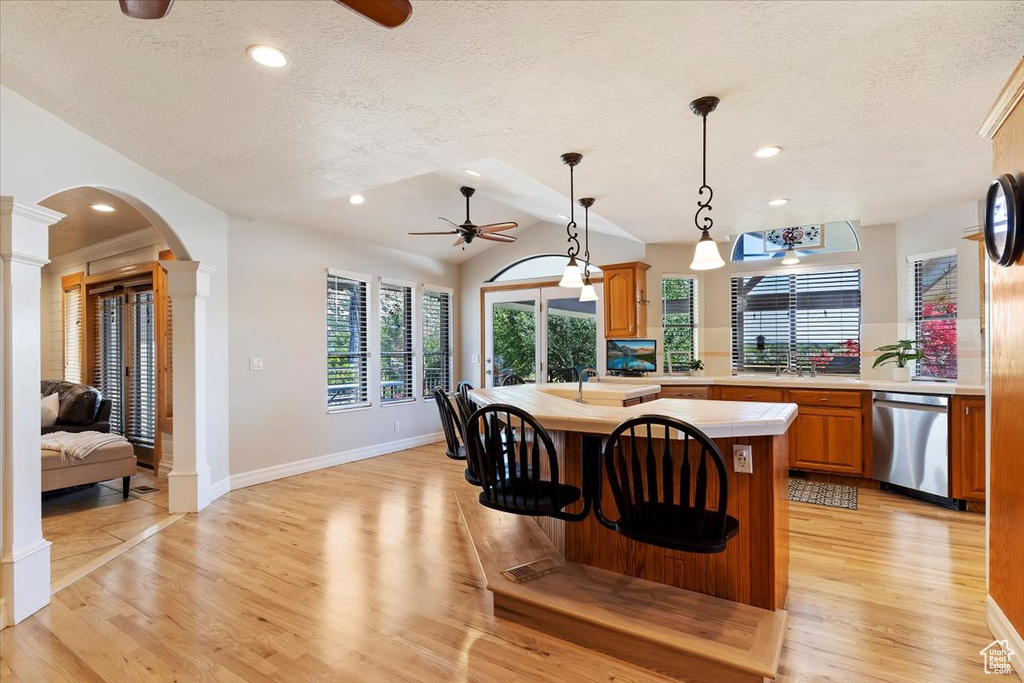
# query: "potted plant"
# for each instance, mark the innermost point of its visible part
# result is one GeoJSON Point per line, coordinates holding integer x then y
{"type": "Point", "coordinates": [900, 353]}
{"type": "Point", "coordinates": [696, 367]}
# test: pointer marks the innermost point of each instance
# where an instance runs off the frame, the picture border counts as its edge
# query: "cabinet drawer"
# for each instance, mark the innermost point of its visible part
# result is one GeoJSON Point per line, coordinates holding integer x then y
{"type": "Point", "coordinates": [683, 392]}
{"type": "Point", "coordinates": [839, 399]}
{"type": "Point", "coordinates": [762, 394]}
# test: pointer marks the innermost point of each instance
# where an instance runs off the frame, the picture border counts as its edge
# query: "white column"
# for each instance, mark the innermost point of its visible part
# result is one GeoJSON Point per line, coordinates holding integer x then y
{"type": "Point", "coordinates": [188, 283]}
{"type": "Point", "coordinates": [24, 553]}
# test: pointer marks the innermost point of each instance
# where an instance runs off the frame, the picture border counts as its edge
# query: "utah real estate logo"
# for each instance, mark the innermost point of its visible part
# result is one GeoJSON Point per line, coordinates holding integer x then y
{"type": "Point", "coordinates": [997, 657]}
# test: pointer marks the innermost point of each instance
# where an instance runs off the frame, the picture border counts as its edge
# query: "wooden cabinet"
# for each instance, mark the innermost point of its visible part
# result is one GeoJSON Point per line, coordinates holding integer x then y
{"type": "Point", "coordinates": [967, 447]}
{"type": "Point", "coordinates": [684, 391]}
{"type": "Point", "coordinates": [762, 394]}
{"type": "Point", "coordinates": [827, 440]}
{"type": "Point", "coordinates": [625, 300]}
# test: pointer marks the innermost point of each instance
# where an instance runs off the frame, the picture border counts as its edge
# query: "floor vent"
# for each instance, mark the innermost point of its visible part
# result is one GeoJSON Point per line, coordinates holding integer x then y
{"type": "Point", "coordinates": [144, 489]}
{"type": "Point", "coordinates": [530, 570]}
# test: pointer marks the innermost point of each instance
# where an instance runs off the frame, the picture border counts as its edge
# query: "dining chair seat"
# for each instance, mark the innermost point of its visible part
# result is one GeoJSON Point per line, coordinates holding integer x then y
{"type": "Point", "coordinates": [659, 524]}
{"type": "Point", "coordinates": [526, 497]}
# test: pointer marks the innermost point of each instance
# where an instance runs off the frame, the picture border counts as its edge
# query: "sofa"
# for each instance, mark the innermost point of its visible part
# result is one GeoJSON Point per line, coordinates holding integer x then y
{"type": "Point", "coordinates": [82, 408]}
{"type": "Point", "coordinates": [106, 462]}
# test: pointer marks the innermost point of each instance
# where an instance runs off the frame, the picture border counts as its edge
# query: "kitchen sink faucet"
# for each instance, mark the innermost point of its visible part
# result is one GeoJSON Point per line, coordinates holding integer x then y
{"type": "Point", "coordinates": [586, 372]}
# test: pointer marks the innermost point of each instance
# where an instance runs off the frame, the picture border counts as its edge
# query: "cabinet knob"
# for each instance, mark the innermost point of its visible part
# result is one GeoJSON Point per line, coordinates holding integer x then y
{"type": "Point", "coordinates": [824, 399]}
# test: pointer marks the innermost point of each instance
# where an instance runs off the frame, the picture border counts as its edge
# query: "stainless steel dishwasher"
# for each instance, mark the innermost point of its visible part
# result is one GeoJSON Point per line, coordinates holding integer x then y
{"type": "Point", "coordinates": [911, 444]}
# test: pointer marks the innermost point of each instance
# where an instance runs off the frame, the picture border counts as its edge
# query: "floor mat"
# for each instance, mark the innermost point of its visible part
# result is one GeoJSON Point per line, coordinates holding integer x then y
{"type": "Point", "coordinates": [829, 495]}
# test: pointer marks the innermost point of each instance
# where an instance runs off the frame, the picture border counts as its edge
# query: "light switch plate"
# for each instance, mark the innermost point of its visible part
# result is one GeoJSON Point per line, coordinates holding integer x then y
{"type": "Point", "coordinates": [743, 458]}
{"type": "Point", "coordinates": [256, 363]}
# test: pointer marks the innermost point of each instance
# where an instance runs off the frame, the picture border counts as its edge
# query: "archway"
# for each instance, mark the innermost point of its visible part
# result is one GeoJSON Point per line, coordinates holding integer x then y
{"type": "Point", "coordinates": [25, 577]}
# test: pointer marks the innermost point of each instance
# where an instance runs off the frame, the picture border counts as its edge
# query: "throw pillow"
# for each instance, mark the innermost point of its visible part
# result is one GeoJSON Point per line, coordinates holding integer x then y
{"type": "Point", "coordinates": [50, 406]}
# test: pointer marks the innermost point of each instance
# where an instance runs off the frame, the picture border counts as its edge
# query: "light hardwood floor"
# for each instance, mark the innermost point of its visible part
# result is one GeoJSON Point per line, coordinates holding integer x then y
{"type": "Point", "coordinates": [88, 523]}
{"type": "Point", "coordinates": [363, 572]}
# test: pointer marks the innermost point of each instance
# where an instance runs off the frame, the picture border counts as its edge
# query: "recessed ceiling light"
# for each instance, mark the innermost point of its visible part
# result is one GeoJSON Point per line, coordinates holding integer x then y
{"type": "Point", "coordinates": [268, 56]}
{"type": "Point", "coordinates": [766, 152]}
{"type": "Point", "coordinates": [778, 202]}
{"type": "Point", "coordinates": [103, 208]}
{"type": "Point", "coordinates": [564, 218]}
{"type": "Point", "coordinates": [475, 174]}
{"type": "Point", "coordinates": [356, 199]}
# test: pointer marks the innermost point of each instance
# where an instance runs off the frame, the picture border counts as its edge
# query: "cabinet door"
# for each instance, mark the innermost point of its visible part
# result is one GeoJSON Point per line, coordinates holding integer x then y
{"type": "Point", "coordinates": [620, 309]}
{"type": "Point", "coordinates": [969, 448]}
{"type": "Point", "coordinates": [827, 440]}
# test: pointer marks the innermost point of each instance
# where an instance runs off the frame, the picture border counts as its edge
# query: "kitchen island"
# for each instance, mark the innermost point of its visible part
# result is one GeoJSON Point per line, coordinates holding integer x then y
{"type": "Point", "coordinates": [754, 568]}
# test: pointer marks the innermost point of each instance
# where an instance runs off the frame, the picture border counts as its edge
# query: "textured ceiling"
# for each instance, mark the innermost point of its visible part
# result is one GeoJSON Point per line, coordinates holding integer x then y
{"type": "Point", "coordinates": [83, 226]}
{"type": "Point", "coordinates": [876, 104]}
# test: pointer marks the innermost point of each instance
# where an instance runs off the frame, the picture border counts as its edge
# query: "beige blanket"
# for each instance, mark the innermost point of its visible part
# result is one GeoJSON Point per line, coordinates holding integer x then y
{"type": "Point", "coordinates": [77, 446]}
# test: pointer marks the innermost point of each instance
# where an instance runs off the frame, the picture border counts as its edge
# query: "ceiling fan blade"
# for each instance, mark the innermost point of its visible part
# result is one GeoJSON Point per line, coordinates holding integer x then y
{"type": "Point", "coordinates": [446, 232]}
{"type": "Point", "coordinates": [497, 227]}
{"type": "Point", "coordinates": [386, 13]}
{"type": "Point", "coordinates": [146, 9]}
{"type": "Point", "coordinates": [454, 225]}
{"type": "Point", "coordinates": [497, 238]}
{"type": "Point", "coordinates": [459, 241]}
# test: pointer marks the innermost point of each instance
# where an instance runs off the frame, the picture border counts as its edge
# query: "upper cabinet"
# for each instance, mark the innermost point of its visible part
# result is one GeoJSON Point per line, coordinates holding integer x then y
{"type": "Point", "coordinates": [625, 300]}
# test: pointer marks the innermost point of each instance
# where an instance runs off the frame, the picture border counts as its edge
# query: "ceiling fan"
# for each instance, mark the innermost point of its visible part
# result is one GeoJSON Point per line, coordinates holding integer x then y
{"type": "Point", "coordinates": [386, 13]}
{"type": "Point", "coordinates": [468, 232]}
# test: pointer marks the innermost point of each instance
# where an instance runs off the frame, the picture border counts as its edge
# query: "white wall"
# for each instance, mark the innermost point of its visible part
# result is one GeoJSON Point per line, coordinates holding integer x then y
{"type": "Point", "coordinates": [277, 293]}
{"type": "Point", "coordinates": [43, 155]}
{"type": "Point", "coordinates": [543, 238]}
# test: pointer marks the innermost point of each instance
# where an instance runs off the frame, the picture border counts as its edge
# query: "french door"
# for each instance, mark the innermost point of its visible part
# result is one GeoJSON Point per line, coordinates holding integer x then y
{"type": "Point", "coordinates": [542, 334]}
{"type": "Point", "coordinates": [124, 363]}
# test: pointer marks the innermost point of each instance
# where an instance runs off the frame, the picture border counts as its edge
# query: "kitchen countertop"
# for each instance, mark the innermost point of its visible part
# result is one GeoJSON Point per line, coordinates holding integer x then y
{"type": "Point", "coordinates": [602, 393]}
{"type": "Point", "coordinates": [717, 419]}
{"type": "Point", "coordinates": [819, 382]}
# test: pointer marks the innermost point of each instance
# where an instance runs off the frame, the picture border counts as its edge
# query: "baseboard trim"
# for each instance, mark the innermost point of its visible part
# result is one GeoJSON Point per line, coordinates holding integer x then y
{"type": "Point", "coordinates": [1002, 629]}
{"type": "Point", "coordinates": [220, 488]}
{"type": "Point", "coordinates": [3, 614]}
{"type": "Point", "coordinates": [291, 469]}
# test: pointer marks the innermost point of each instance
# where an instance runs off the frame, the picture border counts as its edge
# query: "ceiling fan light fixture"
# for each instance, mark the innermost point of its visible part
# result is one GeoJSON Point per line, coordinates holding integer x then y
{"type": "Point", "coordinates": [102, 208]}
{"type": "Point", "coordinates": [268, 56]}
{"type": "Point", "coordinates": [706, 255]}
{"type": "Point", "coordinates": [356, 199]}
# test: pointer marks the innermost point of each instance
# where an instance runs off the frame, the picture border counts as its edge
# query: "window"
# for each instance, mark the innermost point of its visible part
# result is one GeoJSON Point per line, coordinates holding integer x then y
{"type": "Point", "coordinates": [437, 341]}
{"type": "Point", "coordinates": [396, 350]}
{"type": "Point", "coordinates": [537, 267]}
{"type": "Point", "coordinates": [679, 322]}
{"type": "Point", "coordinates": [74, 329]}
{"type": "Point", "coordinates": [797, 320]}
{"type": "Point", "coordinates": [933, 285]}
{"type": "Point", "coordinates": [347, 355]}
{"type": "Point", "coordinates": [826, 238]}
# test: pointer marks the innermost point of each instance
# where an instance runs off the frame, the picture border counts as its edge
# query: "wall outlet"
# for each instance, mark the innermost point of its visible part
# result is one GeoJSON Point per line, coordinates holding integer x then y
{"type": "Point", "coordinates": [398, 426]}
{"type": "Point", "coordinates": [743, 458]}
{"type": "Point", "coordinates": [256, 363]}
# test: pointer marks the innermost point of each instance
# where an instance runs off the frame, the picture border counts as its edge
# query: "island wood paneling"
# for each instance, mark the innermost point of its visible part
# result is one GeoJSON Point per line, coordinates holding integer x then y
{"type": "Point", "coordinates": [1006, 466]}
{"type": "Point", "coordinates": [754, 569]}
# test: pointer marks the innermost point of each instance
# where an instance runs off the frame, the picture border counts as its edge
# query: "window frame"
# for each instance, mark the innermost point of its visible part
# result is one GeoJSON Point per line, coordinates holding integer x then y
{"type": "Point", "coordinates": [73, 283]}
{"type": "Point", "coordinates": [916, 319]}
{"type": "Point", "coordinates": [694, 317]}
{"type": "Point", "coordinates": [793, 343]}
{"type": "Point", "coordinates": [427, 394]}
{"type": "Point", "coordinates": [366, 281]}
{"type": "Point", "coordinates": [414, 335]}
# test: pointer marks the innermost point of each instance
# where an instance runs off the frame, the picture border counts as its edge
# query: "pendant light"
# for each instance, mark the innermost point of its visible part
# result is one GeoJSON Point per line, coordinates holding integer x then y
{"type": "Point", "coordinates": [571, 277]}
{"type": "Point", "coordinates": [789, 236]}
{"type": "Point", "coordinates": [705, 255]}
{"type": "Point", "coordinates": [588, 293]}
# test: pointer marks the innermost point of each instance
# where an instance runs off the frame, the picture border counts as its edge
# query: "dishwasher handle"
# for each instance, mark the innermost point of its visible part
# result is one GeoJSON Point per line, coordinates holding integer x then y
{"type": "Point", "coordinates": [900, 405]}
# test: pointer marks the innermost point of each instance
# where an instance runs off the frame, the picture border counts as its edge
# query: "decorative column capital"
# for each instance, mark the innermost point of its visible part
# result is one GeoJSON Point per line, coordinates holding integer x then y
{"type": "Point", "coordinates": [188, 278]}
{"type": "Point", "coordinates": [24, 231]}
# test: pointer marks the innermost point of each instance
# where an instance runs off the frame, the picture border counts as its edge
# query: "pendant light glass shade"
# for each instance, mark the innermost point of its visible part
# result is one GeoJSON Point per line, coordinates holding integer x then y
{"type": "Point", "coordinates": [588, 293]}
{"type": "Point", "coordinates": [706, 255]}
{"type": "Point", "coordinates": [790, 259]}
{"type": "Point", "coordinates": [571, 277]}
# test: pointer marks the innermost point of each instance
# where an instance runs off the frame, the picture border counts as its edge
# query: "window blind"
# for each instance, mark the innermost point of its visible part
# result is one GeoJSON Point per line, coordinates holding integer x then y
{"type": "Point", "coordinates": [437, 341]}
{"type": "Point", "coordinates": [933, 283]}
{"type": "Point", "coordinates": [797, 320]}
{"type": "Point", "coordinates": [679, 322]}
{"type": "Point", "coordinates": [140, 420]}
{"type": "Point", "coordinates": [347, 356]}
{"type": "Point", "coordinates": [73, 334]}
{"type": "Point", "coordinates": [108, 357]}
{"type": "Point", "coordinates": [396, 350]}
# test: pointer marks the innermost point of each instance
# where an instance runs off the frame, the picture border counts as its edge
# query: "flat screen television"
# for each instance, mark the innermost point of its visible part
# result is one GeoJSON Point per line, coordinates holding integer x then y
{"type": "Point", "coordinates": [632, 356]}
